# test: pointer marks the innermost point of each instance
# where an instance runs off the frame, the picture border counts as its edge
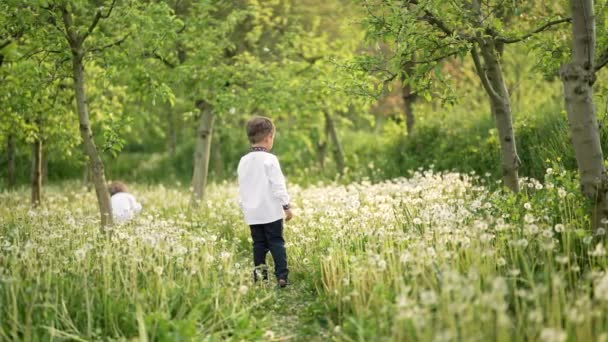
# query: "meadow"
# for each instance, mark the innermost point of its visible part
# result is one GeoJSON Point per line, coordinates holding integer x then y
{"type": "Point", "coordinates": [435, 256]}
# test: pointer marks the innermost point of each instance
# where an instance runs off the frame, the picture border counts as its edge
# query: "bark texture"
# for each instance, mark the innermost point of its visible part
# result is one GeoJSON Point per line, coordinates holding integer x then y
{"type": "Point", "coordinates": [202, 151]}
{"type": "Point", "coordinates": [491, 76]}
{"type": "Point", "coordinates": [96, 164]}
{"type": "Point", "coordinates": [578, 77]}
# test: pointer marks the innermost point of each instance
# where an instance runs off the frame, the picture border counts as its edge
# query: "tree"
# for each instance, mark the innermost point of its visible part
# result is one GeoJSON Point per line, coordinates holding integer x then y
{"type": "Point", "coordinates": [433, 31]}
{"type": "Point", "coordinates": [578, 78]}
{"type": "Point", "coordinates": [80, 31]}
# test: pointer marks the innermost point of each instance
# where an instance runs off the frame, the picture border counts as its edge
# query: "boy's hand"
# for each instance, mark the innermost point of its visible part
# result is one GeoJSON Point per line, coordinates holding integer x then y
{"type": "Point", "coordinates": [288, 214]}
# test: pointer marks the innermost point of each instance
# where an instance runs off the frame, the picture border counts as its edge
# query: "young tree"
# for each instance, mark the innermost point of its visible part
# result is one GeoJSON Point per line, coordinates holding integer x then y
{"type": "Point", "coordinates": [578, 77]}
{"type": "Point", "coordinates": [436, 30]}
{"type": "Point", "coordinates": [78, 32]}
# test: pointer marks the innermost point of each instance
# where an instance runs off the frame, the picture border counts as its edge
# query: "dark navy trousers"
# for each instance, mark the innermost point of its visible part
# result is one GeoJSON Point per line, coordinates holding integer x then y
{"type": "Point", "coordinates": [269, 237]}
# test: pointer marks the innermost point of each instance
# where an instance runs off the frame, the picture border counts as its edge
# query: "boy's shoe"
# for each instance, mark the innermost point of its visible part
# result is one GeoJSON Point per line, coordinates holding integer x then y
{"type": "Point", "coordinates": [283, 283]}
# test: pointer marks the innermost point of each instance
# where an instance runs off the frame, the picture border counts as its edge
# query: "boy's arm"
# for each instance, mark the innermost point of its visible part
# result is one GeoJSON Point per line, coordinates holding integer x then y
{"type": "Point", "coordinates": [277, 183]}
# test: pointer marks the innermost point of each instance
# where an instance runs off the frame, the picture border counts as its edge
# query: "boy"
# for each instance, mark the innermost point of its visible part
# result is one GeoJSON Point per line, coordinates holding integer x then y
{"type": "Point", "coordinates": [124, 205]}
{"type": "Point", "coordinates": [264, 200]}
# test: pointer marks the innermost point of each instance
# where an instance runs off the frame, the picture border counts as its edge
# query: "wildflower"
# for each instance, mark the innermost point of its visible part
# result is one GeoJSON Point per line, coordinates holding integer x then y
{"type": "Point", "coordinates": [552, 335]}
{"type": "Point", "coordinates": [561, 193]}
{"type": "Point", "coordinates": [559, 228]}
{"type": "Point", "coordinates": [549, 171]}
{"type": "Point", "coordinates": [599, 250]}
{"type": "Point", "coordinates": [243, 289]}
{"type": "Point", "coordinates": [528, 206]}
{"type": "Point", "coordinates": [269, 334]}
{"type": "Point", "coordinates": [501, 261]}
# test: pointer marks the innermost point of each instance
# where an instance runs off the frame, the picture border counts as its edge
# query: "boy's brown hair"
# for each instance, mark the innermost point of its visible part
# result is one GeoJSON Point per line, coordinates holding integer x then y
{"type": "Point", "coordinates": [116, 187]}
{"type": "Point", "coordinates": [258, 128]}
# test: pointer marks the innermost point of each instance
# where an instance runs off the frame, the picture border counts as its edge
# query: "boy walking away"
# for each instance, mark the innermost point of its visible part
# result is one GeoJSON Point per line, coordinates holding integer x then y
{"type": "Point", "coordinates": [264, 200]}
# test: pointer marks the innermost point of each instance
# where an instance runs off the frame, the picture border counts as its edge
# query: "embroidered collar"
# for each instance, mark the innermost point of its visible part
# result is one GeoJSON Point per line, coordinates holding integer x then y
{"type": "Point", "coordinates": [258, 149]}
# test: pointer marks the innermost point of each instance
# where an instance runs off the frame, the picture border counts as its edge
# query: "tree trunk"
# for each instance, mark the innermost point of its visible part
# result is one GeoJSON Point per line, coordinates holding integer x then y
{"type": "Point", "coordinates": [408, 108]}
{"type": "Point", "coordinates": [492, 79]}
{"type": "Point", "coordinates": [408, 96]}
{"type": "Point", "coordinates": [96, 164]}
{"type": "Point", "coordinates": [336, 146]}
{"type": "Point", "coordinates": [11, 151]}
{"type": "Point", "coordinates": [578, 77]}
{"type": "Point", "coordinates": [201, 153]}
{"type": "Point", "coordinates": [36, 172]}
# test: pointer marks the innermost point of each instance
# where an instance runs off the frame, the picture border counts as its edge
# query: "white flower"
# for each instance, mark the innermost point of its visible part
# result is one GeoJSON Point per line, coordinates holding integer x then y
{"type": "Point", "coordinates": [553, 335]}
{"type": "Point", "coordinates": [549, 171]}
{"type": "Point", "coordinates": [243, 289]}
{"type": "Point", "coordinates": [561, 193]}
{"type": "Point", "coordinates": [559, 228]}
{"type": "Point", "coordinates": [528, 206]}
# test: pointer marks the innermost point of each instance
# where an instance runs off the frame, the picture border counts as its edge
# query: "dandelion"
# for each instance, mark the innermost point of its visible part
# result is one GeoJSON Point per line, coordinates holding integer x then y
{"type": "Point", "coordinates": [599, 250]}
{"type": "Point", "coordinates": [549, 171]}
{"type": "Point", "coordinates": [561, 193]}
{"type": "Point", "coordinates": [552, 335]}
{"type": "Point", "coordinates": [559, 228]}
{"type": "Point", "coordinates": [501, 261]}
{"type": "Point", "coordinates": [528, 206]}
{"type": "Point", "coordinates": [243, 289]}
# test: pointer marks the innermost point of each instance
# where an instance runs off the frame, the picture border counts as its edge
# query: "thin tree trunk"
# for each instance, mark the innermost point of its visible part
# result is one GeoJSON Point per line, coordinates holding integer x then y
{"type": "Point", "coordinates": [202, 153]}
{"type": "Point", "coordinates": [492, 79]}
{"type": "Point", "coordinates": [321, 149]}
{"type": "Point", "coordinates": [36, 172]}
{"type": "Point", "coordinates": [11, 151]}
{"type": "Point", "coordinates": [96, 164]}
{"type": "Point", "coordinates": [408, 97]}
{"type": "Point", "coordinates": [336, 146]}
{"type": "Point", "coordinates": [578, 77]}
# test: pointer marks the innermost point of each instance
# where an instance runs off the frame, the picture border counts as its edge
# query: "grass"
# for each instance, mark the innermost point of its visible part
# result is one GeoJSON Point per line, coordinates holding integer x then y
{"type": "Point", "coordinates": [436, 256]}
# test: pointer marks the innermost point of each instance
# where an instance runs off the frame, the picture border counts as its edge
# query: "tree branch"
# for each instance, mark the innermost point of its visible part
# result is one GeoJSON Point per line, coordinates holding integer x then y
{"type": "Point", "coordinates": [482, 75]}
{"type": "Point", "coordinates": [107, 46]}
{"type": "Point", "coordinates": [98, 15]}
{"type": "Point", "coordinates": [155, 55]}
{"type": "Point", "coordinates": [437, 59]}
{"type": "Point", "coordinates": [5, 44]}
{"type": "Point", "coordinates": [68, 26]}
{"type": "Point", "coordinates": [602, 61]}
{"type": "Point", "coordinates": [530, 34]}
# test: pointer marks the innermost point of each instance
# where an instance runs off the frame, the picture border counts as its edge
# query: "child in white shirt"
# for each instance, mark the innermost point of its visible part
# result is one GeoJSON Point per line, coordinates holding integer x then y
{"type": "Point", "coordinates": [263, 198]}
{"type": "Point", "coordinates": [124, 205]}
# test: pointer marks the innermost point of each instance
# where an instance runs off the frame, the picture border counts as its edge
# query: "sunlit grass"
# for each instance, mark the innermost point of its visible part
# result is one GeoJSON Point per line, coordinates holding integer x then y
{"type": "Point", "coordinates": [436, 256]}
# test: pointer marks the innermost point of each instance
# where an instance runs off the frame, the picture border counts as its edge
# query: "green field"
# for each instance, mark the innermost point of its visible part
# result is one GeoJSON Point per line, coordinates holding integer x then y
{"type": "Point", "coordinates": [436, 256]}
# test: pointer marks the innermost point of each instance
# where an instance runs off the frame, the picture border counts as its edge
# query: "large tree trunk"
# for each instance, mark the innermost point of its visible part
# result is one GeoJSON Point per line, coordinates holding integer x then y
{"type": "Point", "coordinates": [201, 154]}
{"type": "Point", "coordinates": [11, 151]}
{"type": "Point", "coordinates": [578, 77]}
{"type": "Point", "coordinates": [336, 145]}
{"type": "Point", "coordinates": [96, 164]}
{"type": "Point", "coordinates": [492, 79]}
{"type": "Point", "coordinates": [36, 172]}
